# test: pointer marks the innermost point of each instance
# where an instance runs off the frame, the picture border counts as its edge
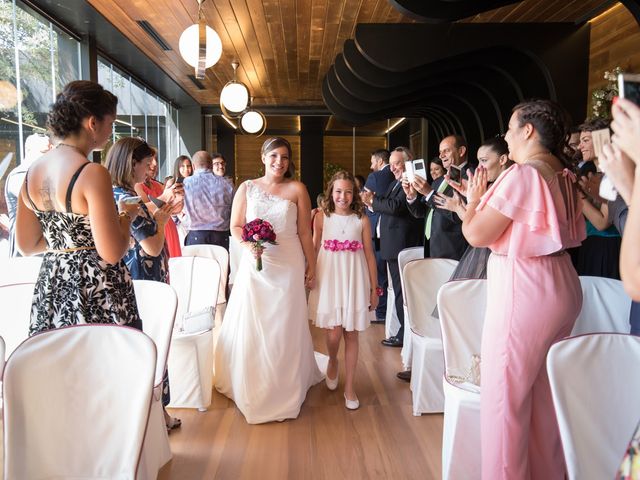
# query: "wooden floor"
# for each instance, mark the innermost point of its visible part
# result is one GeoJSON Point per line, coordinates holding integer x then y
{"type": "Point", "coordinates": [381, 440]}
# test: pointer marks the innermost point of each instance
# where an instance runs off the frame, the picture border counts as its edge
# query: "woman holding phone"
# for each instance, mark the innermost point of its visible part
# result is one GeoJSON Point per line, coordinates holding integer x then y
{"type": "Point", "coordinates": [528, 218]}
{"type": "Point", "coordinates": [128, 162]}
{"type": "Point", "coordinates": [150, 189]}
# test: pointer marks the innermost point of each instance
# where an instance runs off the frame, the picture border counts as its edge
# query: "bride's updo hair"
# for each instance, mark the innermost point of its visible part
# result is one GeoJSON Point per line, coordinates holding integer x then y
{"type": "Point", "coordinates": [551, 122]}
{"type": "Point", "coordinates": [78, 100]}
{"type": "Point", "coordinates": [329, 206]}
{"type": "Point", "coordinates": [277, 142]}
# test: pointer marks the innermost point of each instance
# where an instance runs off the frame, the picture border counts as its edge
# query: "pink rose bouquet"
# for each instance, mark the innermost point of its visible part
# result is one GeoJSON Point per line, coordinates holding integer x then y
{"type": "Point", "coordinates": [258, 232]}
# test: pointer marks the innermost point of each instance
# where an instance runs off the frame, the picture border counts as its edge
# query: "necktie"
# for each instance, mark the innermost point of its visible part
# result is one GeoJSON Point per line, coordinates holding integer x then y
{"type": "Point", "coordinates": [427, 228]}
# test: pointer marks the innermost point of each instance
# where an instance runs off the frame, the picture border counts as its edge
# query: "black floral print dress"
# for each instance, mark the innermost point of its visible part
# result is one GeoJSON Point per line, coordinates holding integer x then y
{"type": "Point", "coordinates": [75, 285]}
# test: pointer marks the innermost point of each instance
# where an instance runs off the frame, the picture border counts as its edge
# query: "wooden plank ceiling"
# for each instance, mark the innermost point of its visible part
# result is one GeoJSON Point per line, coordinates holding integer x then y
{"type": "Point", "coordinates": [285, 47]}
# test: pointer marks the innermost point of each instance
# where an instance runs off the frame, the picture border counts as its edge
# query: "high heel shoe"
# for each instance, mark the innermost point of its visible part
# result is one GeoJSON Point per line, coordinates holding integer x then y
{"type": "Point", "coordinates": [351, 404]}
{"type": "Point", "coordinates": [332, 383]}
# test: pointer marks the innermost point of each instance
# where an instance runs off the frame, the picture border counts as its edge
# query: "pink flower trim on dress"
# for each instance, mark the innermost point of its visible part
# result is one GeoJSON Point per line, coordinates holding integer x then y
{"type": "Point", "coordinates": [346, 246]}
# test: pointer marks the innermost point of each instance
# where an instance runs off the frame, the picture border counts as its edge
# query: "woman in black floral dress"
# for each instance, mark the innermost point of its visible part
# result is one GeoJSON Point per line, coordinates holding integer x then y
{"type": "Point", "coordinates": [66, 211]}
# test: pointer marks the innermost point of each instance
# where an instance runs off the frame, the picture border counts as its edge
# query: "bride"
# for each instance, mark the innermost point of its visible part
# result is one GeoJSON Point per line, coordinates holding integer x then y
{"type": "Point", "coordinates": [264, 357]}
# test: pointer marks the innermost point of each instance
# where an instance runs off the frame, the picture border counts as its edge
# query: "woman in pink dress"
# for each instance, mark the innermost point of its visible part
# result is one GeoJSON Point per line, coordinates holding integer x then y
{"type": "Point", "coordinates": [528, 218]}
{"type": "Point", "coordinates": [152, 187]}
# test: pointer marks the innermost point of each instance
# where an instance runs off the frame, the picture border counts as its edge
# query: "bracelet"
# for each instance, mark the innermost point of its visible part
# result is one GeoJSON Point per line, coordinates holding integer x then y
{"type": "Point", "coordinates": [125, 215]}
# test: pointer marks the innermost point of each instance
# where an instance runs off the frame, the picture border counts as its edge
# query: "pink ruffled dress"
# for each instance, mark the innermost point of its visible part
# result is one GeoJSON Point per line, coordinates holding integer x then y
{"type": "Point", "coordinates": [534, 298]}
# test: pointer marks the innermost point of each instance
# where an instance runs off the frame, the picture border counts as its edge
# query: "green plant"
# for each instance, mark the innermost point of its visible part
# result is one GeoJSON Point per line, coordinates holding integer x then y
{"type": "Point", "coordinates": [601, 98]}
{"type": "Point", "coordinates": [329, 171]}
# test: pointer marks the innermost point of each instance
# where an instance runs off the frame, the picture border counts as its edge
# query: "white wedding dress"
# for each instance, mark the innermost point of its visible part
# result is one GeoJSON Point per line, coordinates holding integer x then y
{"type": "Point", "coordinates": [264, 355]}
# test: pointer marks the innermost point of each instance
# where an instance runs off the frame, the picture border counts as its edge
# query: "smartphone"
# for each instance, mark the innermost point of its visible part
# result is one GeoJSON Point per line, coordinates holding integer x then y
{"type": "Point", "coordinates": [455, 174]}
{"type": "Point", "coordinates": [179, 180]}
{"type": "Point", "coordinates": [629, 87]}
{"type": "Point", "coordinates": [408, 171]}
{"type": "Point", "coordinates": [600, 138]}
{"type": "Point", "coordinates": [131, 200]}
{"type": "Point", "coordinates": [156, 201]}
{"type": "Point", "coordinates": [419, 168]}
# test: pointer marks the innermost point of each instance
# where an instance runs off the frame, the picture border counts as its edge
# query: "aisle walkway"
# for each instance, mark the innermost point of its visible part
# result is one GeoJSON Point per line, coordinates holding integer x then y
{"type": "Point", "coordinates": [381, 440]}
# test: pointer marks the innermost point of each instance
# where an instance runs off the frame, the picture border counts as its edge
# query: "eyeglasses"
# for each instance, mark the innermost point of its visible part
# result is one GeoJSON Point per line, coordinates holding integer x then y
{"type": "Point", "coordinates": [219, 164]}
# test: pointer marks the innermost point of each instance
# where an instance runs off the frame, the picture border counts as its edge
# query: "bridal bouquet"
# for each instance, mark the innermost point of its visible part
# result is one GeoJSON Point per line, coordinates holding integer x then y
{"type": "Point", "coordinates": [258, 232]}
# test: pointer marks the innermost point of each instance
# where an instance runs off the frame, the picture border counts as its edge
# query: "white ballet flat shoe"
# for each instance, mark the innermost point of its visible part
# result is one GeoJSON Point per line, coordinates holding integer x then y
{"type": "Point", "coordinates": [332, 383]}
{"type": "Point", "coordinates": [351, 404]}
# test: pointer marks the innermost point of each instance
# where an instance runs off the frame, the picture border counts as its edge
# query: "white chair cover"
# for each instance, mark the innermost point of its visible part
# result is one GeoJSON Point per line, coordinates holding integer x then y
{"type": "Point", "coordinates": [423, 278]}
{"type": "Point", "coordinates": [461, 307]}
{"type": "Point", "coordinates": [19, 270]}
{"type": "Point", "coordinates": [404, 257]}
{"type": "Point", "coordinates": [196, 280]}
{"type": "Point", "coordinates": [157, 303]}
{"type": "Point", "coordinates": [74, 407]}
{"type": "Point", "coordinates": [595, 387]}
{"type": "Point", "coordinates": [391, 322]}
{"type": "Point", "coordinates": [16, 316]}
{"type": "Point", "coordinates": [218, 253]}
{"type": "Point", "coordinates": [605, 307]}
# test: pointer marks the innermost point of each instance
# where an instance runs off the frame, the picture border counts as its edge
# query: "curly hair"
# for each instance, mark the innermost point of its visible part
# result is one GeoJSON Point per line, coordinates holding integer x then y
{"type": "Point", "coordinates": [78, 100]}
{"type": "Point", "coordinates": [551, 122]}
{"type": "Point", "coordinates": [328, 206]}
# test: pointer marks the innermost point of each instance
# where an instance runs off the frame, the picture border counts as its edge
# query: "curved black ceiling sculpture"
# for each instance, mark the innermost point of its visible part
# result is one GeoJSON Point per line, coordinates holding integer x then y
{"type": "Point", "coordinates": [446, 10]}
{"type": "Point", "coordinates": [463, 78]}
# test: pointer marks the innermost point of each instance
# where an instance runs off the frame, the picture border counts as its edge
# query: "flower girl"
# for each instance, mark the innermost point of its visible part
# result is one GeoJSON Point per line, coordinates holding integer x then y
{"type": "Point", "coordinates": [346, 275]}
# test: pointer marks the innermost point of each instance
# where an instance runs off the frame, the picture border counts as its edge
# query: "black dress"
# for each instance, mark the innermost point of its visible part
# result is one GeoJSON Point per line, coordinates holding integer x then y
{"type": "Point", "coordinates": [75, 285]}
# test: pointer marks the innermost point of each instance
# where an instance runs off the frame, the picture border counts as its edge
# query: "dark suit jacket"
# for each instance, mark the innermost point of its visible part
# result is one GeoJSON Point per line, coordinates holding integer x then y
{"type": "Point", "coordinates": [398, 228]}
{"type": "Point", "coordinates": [446, 239]}
{"type": "Point", "coordinates": [378, 182]}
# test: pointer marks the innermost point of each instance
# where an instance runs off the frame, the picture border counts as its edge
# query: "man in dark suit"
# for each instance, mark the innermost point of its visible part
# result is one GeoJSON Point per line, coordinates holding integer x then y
{"type": "Point", "coordinates": [442, 228]}
{"type": "Point", "coordinates": [398, 230]}
{"type": "Point", "coordinates": [378, 182]}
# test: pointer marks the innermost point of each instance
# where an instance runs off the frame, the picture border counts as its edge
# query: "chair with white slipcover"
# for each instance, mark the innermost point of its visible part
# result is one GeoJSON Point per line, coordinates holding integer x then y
{"type": "Point", "coordinates": [16, 302]}
{"type": "Point", "coordinates": [157, 303]}
{"type": "Point", "coordinates": [595, 390]}
{"type": "Point", "coordinates": [605, 308]}
{"type": "Point", "coordinates": [19, 270]}
{"type": "Point", "coordinates": [74, 407]}
{"type": "Point", "coordinates": [422, 279]}
{"type": "Point", "coordinates": [461, 307]}
{"type": "Point", "coordinates": [196, 281]}
{"type": "Point", "coordinates": [405, 256]}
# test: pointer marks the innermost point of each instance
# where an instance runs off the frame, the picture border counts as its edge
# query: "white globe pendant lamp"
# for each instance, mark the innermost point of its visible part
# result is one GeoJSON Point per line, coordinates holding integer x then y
{"type": "Point", "coordinates": [234, 97]}
{"type": "Point", "coordinates": [200, 45]}
{"type": "Point", "coordinates": [253, 122]}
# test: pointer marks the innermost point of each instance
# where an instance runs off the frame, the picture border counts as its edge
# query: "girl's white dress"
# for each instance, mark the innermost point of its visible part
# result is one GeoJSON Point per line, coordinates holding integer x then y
{"type": "Point", "coordinates": [341, 296]}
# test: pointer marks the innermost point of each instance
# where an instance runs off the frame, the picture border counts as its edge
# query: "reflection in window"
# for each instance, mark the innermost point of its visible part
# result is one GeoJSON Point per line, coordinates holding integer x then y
{"type": "Point", "coordinates": [47, 59]}
{"type": "Point", "coordinates": [142, 113]}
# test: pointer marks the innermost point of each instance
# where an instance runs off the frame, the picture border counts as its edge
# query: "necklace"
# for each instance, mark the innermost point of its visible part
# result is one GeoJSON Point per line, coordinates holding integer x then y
{"type": "Point", "coordinates": [343, 225]}
{"type": "Point", "coordinates": [77, 149]}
